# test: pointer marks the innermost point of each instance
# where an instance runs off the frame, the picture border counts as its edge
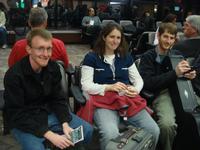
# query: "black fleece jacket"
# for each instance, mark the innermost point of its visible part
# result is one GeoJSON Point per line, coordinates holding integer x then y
{"type": "Point", "coordinates": [156, 76]}
{"type": "Point", "coordinates": [30, 97]}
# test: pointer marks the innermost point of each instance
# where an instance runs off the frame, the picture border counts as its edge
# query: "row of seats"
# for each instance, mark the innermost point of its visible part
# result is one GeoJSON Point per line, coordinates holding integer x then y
{"type": "Point", "coordinates": [131, 34]}
{"type": "Point", "coordinates": [129, 30]}
{"type": "Point", "coordinates": [178, 24]}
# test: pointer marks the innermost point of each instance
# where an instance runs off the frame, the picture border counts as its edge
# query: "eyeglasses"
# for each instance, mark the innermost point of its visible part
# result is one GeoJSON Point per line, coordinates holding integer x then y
{"type": "Point", "coordinates": [42, 49]}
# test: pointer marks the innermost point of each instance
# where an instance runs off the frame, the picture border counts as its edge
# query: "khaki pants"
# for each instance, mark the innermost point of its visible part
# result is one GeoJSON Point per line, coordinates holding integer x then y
{"type": "Point", "coordinates": [198, 100]}
{"type": "Point", "coordinates": [164, 110]}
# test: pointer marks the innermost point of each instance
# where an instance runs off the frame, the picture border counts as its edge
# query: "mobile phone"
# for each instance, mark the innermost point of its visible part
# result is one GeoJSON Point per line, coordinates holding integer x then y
{"type": "Point", "coordinates": [77, 135]}
{"type": "Point", "coordinates": [192, 68]}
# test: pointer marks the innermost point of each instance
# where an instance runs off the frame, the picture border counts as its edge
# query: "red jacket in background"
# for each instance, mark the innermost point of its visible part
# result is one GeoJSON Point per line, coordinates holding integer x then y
{"type": "Point", "coordinates": [19, 51]}
{"type": "Point", "coordinates": [111, 100]}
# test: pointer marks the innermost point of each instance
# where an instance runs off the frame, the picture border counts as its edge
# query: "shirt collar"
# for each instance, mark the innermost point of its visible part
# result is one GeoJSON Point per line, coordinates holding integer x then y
{"type": "Point", "coordinates": [158, 56]}
{"type": "Point", "coordinates": [117, 55]}
{"type": "Point", "coordinates": [196, 37]}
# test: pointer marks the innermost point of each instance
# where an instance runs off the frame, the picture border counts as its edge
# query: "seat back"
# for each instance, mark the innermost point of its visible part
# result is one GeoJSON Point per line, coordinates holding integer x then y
{"type": "Point", "coordinates": [158, 23]}
{"type": "Point", "coordinates": [179, 26]}
{"type": "Point", "coordinates": [5, 128]}
{"type": "Point", "coordinates": [105, 22]}
{"type": "Point", "coordinates": [151, 37]}
{"type": "Point", "coordinates": [64, 81]}
{"type": "Point", "coordinates": [144, 43]}
{"type": "Point", "coordinates": [128, 27]}
{"type": "Point", "coordinates": [125, 22]}
{"type": "Point", "coordinates": [76, 89]}
{"type": "Point", "coordinates": [1, 100]}
{"type": "Point", "coordinates": [130, 31]}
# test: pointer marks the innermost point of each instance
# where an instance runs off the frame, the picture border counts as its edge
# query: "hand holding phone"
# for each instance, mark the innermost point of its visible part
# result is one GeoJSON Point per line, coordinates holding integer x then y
{"type": "Point", "coordinates": [192, 68]}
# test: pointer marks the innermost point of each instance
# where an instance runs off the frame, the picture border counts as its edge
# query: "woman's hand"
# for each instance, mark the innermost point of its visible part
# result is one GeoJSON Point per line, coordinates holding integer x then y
{"type": "Point", "coordinates": [128, 90]}
{"type": "Point", "coordinates": [116, 87]}
{"type": "Point", "coordinates": [131, 91]}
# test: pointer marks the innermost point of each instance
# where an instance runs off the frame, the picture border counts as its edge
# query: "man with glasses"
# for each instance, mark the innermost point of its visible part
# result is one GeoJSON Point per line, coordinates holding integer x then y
{"type": "Point", "coordinates": [35, 106]}
{"type": "Point", "coordinates": [38, 19]}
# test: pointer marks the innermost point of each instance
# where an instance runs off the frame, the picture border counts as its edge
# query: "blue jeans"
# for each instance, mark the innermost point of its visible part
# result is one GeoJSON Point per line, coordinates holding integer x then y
{"type": "Point", "coordinates": [107, 122]}
{"type": "Point", "coordinates": [3, 36]}
{"type": "Point", "coordinates": [31, 142]}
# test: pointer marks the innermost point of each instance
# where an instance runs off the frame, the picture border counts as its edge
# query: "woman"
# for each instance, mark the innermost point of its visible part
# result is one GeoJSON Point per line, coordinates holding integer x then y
{"type": "Point", "coordinates": [109, 68]}
{"type": "Point", "coordinates": [3, 32]}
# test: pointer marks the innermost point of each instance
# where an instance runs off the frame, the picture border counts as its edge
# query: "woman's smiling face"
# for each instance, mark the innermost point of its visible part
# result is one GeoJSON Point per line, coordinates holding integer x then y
{"type": "Point", "coordinates": [112, 41]}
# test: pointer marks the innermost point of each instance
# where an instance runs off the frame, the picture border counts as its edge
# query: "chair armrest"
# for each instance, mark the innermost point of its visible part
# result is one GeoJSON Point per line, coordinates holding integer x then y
{"type": "Point", "coordinates": [70, 69]}
{"type": "Point", "coordinates": [1, 100]}
{"type": "Point", "coordinates": [149, 96]}
{"type": "Point", "coordinates": [77, 94]}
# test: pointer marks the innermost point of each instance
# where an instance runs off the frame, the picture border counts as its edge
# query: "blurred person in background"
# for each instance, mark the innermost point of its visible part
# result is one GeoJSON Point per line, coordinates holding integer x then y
{"type": "Point", "coordinates": [91, 25]}
{"type": "Point", "coordinates": [38, 19]}
{"type": "Point", "coordinates": [3, 31]}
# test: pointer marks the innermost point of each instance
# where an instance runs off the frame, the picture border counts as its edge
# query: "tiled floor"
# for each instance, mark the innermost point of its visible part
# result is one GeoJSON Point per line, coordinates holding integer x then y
{"type": "Point", "coordinates": [76, 54]}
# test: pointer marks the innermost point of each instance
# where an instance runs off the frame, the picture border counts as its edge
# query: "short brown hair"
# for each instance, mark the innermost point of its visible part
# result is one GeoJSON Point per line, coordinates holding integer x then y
{"type": "Point", "coordinates": [167, 27]}
{"type": "Point", "coordinates": [38, 32]}
{"type": "Point", "coordinates": [37, 17]}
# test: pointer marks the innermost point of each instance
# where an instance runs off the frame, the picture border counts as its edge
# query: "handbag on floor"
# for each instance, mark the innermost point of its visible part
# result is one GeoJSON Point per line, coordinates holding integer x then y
{"type": "Point", "coordinates": [132, 139]}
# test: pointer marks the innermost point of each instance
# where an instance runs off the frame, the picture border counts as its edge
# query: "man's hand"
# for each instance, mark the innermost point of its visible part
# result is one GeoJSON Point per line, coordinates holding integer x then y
{"type": "Point", "coordinates": [67, 130]}
{"type": "Point", "coordinates": [190, 75]}
{"type": "Point", "coordinates": [59, 141]}
{"type": "Point", "coordinates": [182, 67]}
